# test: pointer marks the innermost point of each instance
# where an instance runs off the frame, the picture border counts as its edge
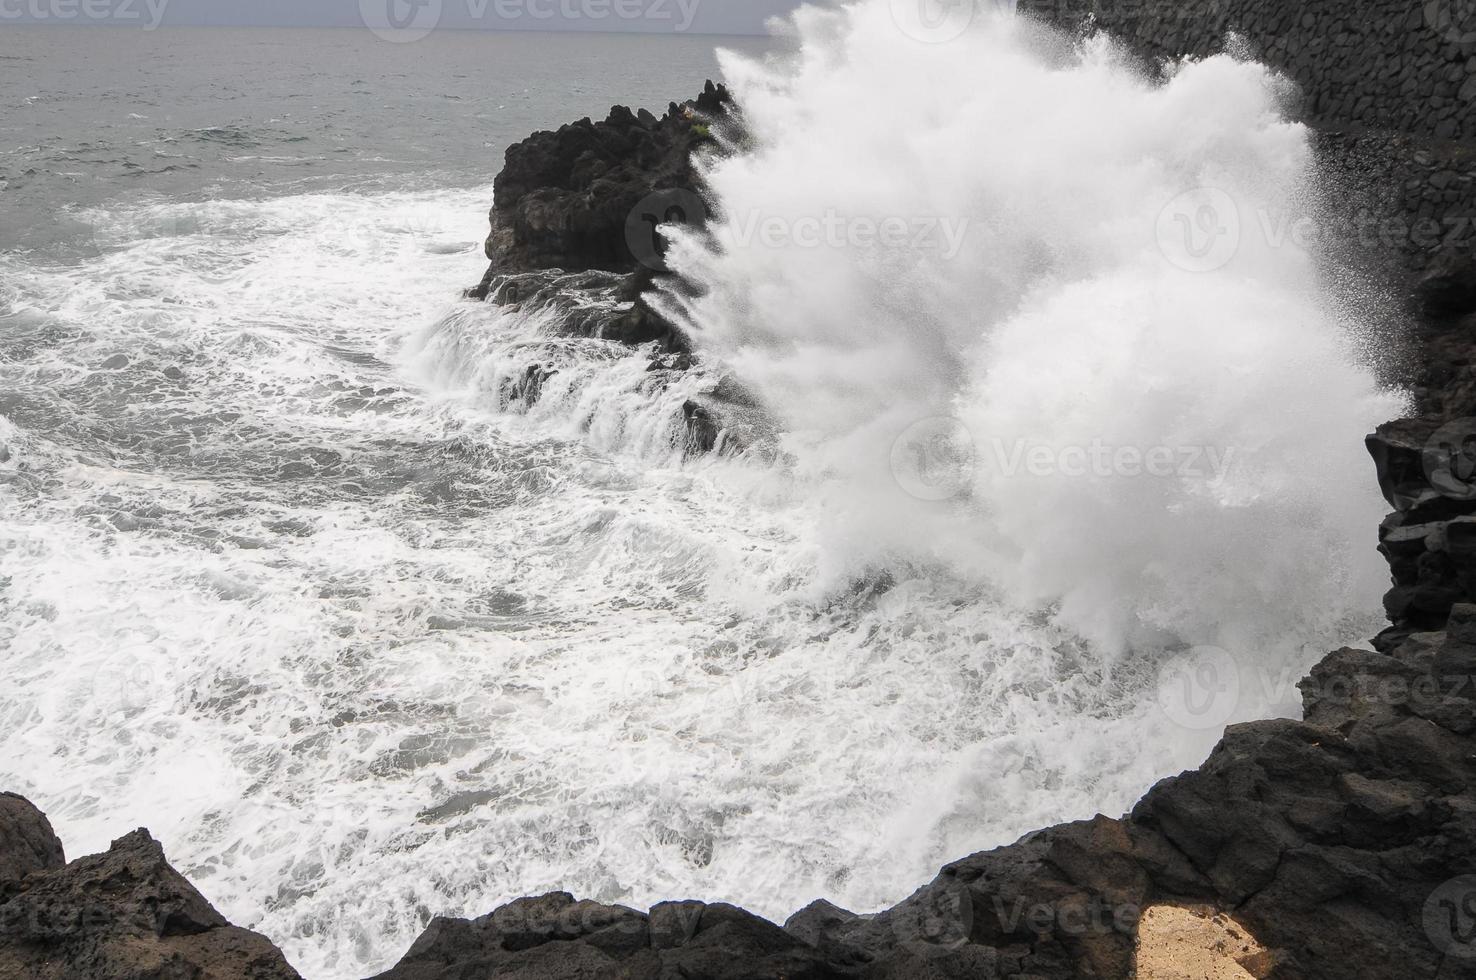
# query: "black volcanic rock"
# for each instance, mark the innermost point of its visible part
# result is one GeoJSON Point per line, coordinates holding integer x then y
{"type": "Point", "coordinates": [554, 937]}
{"type": "Point", "coordinates": [1448, 288]}
{"type": "Point", "coordinates": [568, 199]}
{"type": "Point", "coordinates": [122, 915]}
{"type": "Point", "coordinates": [1427, 471]}
{"type": "Point", "coordinates": [27, 843]}
{"type": "Point", "coordinates": [574, 224]}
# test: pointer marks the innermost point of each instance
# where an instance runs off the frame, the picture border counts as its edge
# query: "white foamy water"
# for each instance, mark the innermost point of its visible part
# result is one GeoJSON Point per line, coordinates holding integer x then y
{"type": "Point", "coordinates": [286, 578]}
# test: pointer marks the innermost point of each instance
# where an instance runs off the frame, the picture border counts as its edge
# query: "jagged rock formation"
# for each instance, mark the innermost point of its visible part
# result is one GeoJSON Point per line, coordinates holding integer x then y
{"type": "Point", "coordinates": [122, 915]}
{"type": "Point", "coordinates": [572, 199]}
{"type": "Point", "coordinates": [1427, 464]}
{"type": "Point", "coordinates": [574, 232]}
{"type": "Point", "coordinates": [27, 843]}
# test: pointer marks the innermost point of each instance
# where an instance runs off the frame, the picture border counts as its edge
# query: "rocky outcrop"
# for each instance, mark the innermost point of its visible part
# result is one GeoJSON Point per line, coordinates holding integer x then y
{"type": "Point", "coordinates": [590, 195]}
{"type": "Point", "coordinates": [574, 237]}
{"type": "Point", "coordinates": [1444, 382]}
{"type": "Point", "coordinates": [27, 843]}
{"type": "Point", "coordinates": [122, 915]}
{"type": "Point", "coordinates": [1427, 464]}
{"type": "Point", "coordinates": [556, 936]}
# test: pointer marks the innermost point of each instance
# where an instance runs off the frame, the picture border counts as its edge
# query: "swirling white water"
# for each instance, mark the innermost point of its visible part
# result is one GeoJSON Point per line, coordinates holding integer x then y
{"type": "Point", "coordinates": [284, 577]}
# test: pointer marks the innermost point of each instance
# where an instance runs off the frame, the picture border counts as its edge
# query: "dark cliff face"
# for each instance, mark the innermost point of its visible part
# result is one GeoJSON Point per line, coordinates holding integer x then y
{"type": "Point", "coordinates": [574, 230]}
{"type": "Point", "coordinates": [122, 915]}
{"type": "Point", "coordinates": [573, 199]}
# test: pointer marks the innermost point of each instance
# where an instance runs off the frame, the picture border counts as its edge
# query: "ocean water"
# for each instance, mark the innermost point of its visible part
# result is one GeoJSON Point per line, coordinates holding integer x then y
{"type": "Point", "coordinates": [286, 577]}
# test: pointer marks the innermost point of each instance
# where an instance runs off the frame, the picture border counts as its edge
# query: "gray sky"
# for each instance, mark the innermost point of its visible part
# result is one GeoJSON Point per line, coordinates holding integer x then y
{"type": "Point", "coordinates": [401, 17]}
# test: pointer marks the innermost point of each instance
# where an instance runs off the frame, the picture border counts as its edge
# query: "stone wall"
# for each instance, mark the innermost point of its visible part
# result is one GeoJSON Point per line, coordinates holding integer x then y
{"type": "Point", "coordinates": [1396, 65]}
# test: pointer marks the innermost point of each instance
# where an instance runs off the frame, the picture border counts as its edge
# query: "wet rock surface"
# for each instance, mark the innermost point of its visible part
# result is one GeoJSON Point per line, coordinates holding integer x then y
{"type": "Point", "coordinates": [573, 199]}
{"type": "Point", "coordinates": [122, 915]}
{"type": "Point", "coordinates": [27, 843]}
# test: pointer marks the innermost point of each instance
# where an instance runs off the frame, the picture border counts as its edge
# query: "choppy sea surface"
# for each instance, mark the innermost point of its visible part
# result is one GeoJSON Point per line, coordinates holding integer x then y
{"type": "Point", "coordinates": [286, 577]}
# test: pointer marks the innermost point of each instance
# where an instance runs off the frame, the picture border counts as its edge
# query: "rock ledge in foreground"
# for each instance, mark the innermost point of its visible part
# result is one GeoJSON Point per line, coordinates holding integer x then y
{"type": "Point", "coordinates": [122, 915]}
